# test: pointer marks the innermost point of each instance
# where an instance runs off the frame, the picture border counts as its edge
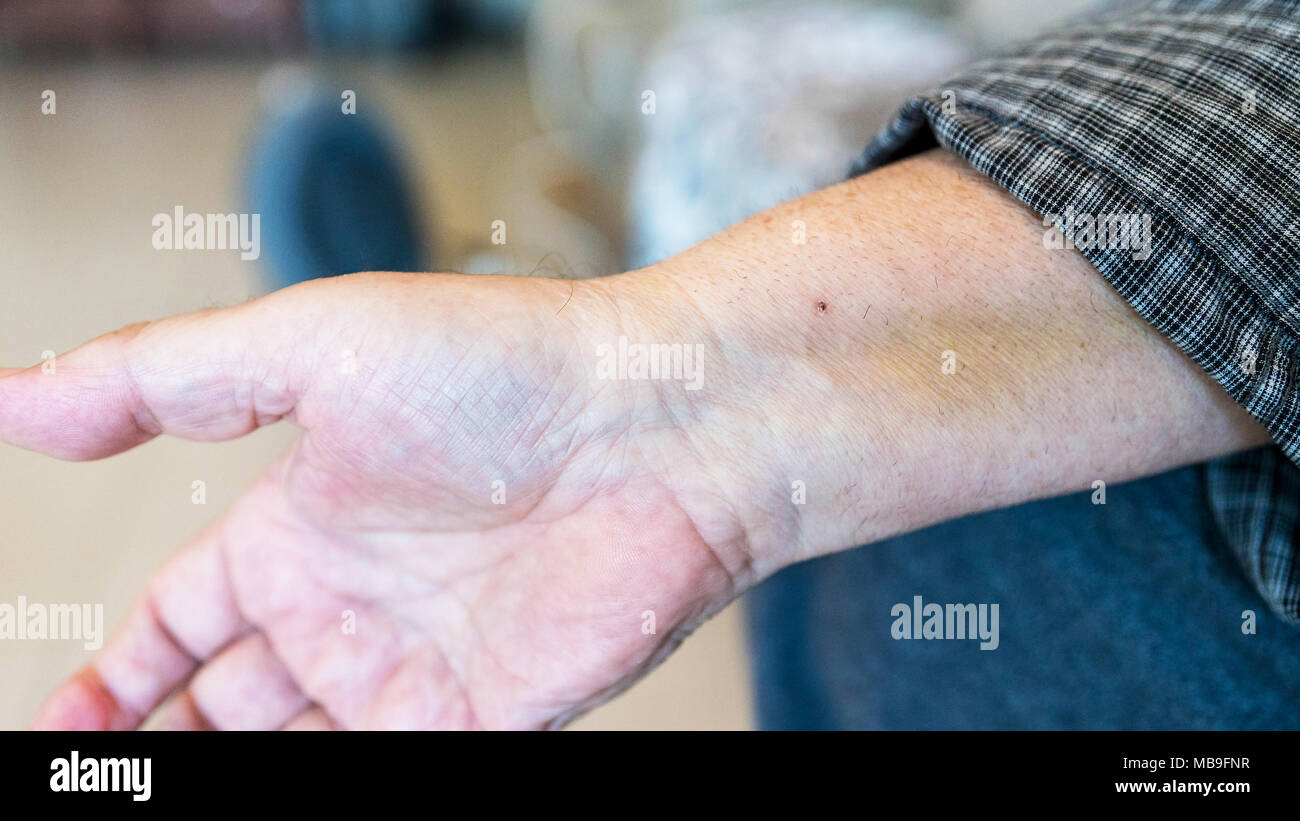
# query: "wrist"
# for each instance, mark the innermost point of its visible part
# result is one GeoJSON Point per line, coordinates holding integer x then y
{"type": "Point", "coordinates": [822, 409]}
{"type": "Point", "coordinates": [773, 432]}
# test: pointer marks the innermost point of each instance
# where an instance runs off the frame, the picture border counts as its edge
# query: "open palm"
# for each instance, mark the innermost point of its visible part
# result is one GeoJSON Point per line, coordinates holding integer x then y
{"type": "Point", "coordinates": [472, 531]}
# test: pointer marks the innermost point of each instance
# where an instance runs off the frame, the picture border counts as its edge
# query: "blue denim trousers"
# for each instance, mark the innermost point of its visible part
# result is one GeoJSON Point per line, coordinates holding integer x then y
{"type": "Point", "coordinates": [1127, 615]}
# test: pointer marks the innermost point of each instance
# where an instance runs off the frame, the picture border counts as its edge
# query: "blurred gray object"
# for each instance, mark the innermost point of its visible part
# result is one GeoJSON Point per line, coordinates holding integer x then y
{"type": "Point", "coordinates": [757, 107]}
{"type": "Point", "coordinates": [754, 102]}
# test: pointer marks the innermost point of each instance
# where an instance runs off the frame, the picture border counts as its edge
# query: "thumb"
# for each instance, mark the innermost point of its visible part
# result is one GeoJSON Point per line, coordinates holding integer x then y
{"type": "Point", "coordinates": [210, 375]}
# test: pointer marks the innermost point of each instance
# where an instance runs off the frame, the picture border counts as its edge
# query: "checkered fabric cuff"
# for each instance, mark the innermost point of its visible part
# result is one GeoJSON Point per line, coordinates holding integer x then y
{"type": "Point", "coordinates": [1180, 116]}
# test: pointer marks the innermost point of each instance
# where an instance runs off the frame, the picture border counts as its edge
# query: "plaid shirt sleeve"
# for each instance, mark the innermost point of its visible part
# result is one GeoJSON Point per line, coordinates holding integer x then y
{"type": "Point", "coordinates": [1185, 114]}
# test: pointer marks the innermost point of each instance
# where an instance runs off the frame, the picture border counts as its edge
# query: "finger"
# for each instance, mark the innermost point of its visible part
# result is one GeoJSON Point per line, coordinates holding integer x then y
{"type": "Point", "coordinates": [313, 718]}
{"type": "Point", "coordinates": [247, 687]}
{"type": "Point", "coordinates": [244, 687]}
{"type": "Point", "coordinates": [186, 616]}
{"type": "Point", "coordinates": [210, 375]}
{"type": "Point", "coordinates": [179, 714]}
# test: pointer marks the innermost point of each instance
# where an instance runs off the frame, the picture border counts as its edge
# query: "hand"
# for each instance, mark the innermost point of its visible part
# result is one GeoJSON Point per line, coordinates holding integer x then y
{"type": "Point", "coordinates": [826, 418]}
{"type": "Point", "coordinates": [496, 522]}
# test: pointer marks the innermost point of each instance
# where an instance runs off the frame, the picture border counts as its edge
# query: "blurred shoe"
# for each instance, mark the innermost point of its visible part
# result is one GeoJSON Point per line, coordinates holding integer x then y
{"type": "Point", "coordinates": [372, 25]}
{"type": "Point", "coordinates": [331, 188]}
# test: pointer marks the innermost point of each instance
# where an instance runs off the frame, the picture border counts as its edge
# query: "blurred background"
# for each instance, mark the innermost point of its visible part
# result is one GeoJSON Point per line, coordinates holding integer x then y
{"type": "Point", "coordinates": [530, 137]}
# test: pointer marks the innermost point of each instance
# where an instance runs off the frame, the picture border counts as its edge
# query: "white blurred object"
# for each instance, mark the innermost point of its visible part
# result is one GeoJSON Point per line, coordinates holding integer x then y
{"type": "Point", "coordinates": [754, 108]}
{"type": "Point", "coordinates": [754, 102]}
{"type": "Point", "coordinates": [583, 60]}
{"type": "Point", "coordinates": [997, 22]}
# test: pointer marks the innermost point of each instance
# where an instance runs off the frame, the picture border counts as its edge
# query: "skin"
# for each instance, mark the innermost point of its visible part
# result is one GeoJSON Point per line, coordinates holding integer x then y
{"type": "Point", "coordinates": [821, 364]}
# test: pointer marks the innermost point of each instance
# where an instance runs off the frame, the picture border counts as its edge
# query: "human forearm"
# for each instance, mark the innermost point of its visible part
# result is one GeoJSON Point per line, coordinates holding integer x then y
{"type": "Point", "coordinates": [523, 532]}
{"type": "Point", "coordinates": [830, 362]}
